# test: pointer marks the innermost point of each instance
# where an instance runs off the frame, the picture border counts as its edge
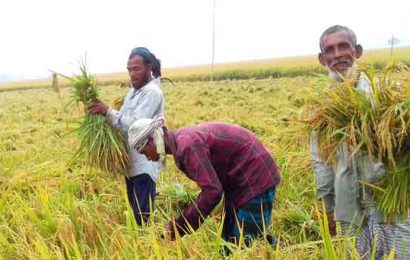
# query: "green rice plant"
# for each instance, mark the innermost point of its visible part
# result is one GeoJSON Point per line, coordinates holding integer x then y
{"type": "Point", "coordinates": [300, 224]}
{"type": "Point", "coordinates": [339, 247]}
{"type": "Point", "coordinates": [177, 195]}
{"type": "Point", "coordinates": [393, 200]}
{"type": "Point", "coordinates": [88, 206]}
{"type": "Point", "coordinates": [376, 122]}
{"type": "Point", "coordinates": [101, 146]}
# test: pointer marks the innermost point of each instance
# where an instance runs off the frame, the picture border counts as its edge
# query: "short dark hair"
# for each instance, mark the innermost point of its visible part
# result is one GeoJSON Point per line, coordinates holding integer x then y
{"type": "Point", "coordinates": [149, 58]}
{"type": "Point", "coordinates": [338, 28]}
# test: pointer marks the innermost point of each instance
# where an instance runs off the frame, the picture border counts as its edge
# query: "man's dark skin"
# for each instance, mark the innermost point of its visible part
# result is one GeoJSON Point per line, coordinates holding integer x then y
{"type": "Point", "coordinates": [140, 74]}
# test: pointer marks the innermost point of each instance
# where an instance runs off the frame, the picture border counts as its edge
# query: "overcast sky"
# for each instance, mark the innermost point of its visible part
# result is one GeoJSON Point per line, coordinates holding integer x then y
{"type": "Point", "coordinates": [53, 34]}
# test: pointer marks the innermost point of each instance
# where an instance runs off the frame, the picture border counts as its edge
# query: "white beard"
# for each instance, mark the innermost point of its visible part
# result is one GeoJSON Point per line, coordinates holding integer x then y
{"type": "Point", "coordinates": [350, 73]}
{"type": "Point", "coordinates": [335, 76]}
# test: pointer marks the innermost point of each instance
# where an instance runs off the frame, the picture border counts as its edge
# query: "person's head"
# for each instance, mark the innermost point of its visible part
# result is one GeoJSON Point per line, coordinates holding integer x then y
{"type": "Point", "coordinates": [156, 68]}
{"type": "Point", "coordinates": [339, 50]}
{"type": "Point", "coordinates": [150, 150]}
{"type": "Point", "coordinates": [142, 64]}
{"type": "Point", "coordinates": [146, 136]}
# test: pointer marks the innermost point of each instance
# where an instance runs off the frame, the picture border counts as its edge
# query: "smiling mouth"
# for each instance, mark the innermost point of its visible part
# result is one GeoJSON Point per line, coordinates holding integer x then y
{"type": "Point", "coordinates": [341, 64]}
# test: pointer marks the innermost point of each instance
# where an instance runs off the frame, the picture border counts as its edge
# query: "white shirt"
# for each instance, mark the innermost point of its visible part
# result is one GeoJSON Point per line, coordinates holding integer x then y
{"type": "Point", "coordinates": [339, 186]}
{"type": "Point", "coordinates": [145, 102]}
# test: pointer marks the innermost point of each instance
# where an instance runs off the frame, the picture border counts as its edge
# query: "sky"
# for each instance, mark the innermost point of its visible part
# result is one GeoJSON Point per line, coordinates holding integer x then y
{"type": "Point", "coordinates": [42, 35]}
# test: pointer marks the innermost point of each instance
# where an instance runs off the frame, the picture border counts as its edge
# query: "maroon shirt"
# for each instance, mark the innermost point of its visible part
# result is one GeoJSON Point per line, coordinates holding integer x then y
{"type": "Point", "coordinates": [221, 158]}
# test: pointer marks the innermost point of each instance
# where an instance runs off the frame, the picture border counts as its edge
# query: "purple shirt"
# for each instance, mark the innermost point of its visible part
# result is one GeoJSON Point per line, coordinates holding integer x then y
{"type": "Point", "coordinates": [221, 158]}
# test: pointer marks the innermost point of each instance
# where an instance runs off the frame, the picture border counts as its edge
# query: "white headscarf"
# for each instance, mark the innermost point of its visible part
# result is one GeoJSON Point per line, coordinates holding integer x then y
{"type": "Point", "coordinates": [142, 129]}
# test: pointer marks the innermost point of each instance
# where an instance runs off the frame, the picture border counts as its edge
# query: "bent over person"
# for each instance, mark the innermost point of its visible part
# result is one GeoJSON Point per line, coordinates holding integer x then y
{"type": "Point", "coordinates": [223, 159]}
{"type": "Point", "coordinates": [144, 100]}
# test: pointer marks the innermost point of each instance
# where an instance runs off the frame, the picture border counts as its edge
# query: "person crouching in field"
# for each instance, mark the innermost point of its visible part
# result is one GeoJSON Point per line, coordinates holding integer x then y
{"type": "Point", "coordinates": [223, 159]}
{"type": "Point", "coordinates": [144, 100]}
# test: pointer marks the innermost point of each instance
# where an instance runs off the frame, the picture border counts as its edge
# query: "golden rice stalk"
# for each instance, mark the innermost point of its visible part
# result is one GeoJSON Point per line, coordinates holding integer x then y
{"type": "Point", "coordinates": [118, 102]}
{"type": "Point", "coordinates": [341, 116]}
{"type": "Point", "coordinates": [375, 122]}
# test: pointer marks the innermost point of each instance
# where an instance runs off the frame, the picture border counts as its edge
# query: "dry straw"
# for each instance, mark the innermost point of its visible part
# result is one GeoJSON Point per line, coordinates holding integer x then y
{"type": "Point", "coordinates": [376, 122]}
{"type": "Point", "coordinates": [100, 145]}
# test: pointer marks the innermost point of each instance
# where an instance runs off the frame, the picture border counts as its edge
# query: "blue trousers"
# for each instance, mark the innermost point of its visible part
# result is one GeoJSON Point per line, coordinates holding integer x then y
{"type": "Point", "coordinates": [252, 219]}
{"type": "Point", "coordinates": [141, 191]}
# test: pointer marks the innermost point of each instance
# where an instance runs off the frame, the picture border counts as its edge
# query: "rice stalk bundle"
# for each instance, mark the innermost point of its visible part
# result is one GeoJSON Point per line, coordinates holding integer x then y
{"type": "Point", "coordinates": [179, 196]}
{"type": "Point", "coordinates": [118, 102]}
{"type": "Point", "coordinates": [100, 145]}
{"type": "Point", "coordinates": [341, 116]}
{"type": "Point", "coordinates": [374, 122]}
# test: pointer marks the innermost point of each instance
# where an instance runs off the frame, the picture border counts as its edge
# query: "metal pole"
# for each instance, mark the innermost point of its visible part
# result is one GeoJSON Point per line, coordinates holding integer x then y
{"type": "Point", "coordinates": [213, 41]}
{"type": "Point", "coordinates": [391, 48]}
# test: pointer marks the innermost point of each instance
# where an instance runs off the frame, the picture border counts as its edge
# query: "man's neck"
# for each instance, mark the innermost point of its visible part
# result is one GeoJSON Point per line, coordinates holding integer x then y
{"type": "Point", "coordinates": [333, 75]}
{"type": "Point", "coordinates": [143, 84]}
{"type": "Point", "coordinates": [167, 141]}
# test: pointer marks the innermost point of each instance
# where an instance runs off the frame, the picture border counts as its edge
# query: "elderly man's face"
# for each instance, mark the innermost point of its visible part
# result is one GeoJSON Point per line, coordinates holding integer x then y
{"type": "Point", "coordinates": [339, 53]}
{"type": "Point", "coordinates": [150, 151]}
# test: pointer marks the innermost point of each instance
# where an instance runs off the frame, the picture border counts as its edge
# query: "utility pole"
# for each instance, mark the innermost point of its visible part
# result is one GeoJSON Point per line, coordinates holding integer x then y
{"type": "Point", "coordinates": [391, 48]}
{"type": "Point", "coordinates": [392, 42]}
{"type": "Point", "coordinates": [213, 41]}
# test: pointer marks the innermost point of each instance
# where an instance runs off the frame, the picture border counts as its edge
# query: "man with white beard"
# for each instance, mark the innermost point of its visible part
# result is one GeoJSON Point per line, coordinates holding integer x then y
{"type": "Point", "coordinates": [338, 185]}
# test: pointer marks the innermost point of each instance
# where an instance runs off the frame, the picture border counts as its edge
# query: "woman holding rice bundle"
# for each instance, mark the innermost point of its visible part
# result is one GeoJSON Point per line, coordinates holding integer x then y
{"type": "Point", "coordinates": [144, 100]}
{"type": "Point", "coordinates": [223, 159]}
{"type": "Point", "coordinates": [339, 185]}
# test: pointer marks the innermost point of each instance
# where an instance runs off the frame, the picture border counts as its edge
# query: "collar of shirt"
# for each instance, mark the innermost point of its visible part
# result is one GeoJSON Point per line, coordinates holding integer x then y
{"type": "Point", "coordinates": [171, 146]}
{"type": "Point", "coordinates": [137, 91]}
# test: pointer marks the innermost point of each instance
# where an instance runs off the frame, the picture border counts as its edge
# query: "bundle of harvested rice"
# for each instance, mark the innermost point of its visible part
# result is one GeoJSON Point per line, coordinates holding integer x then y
{"type": "Point", "coordinates": [375, 121]}
{"type": "Point", "coordinates": [118, 102]}
{"type": "Point", "coordinates": [101, 146]}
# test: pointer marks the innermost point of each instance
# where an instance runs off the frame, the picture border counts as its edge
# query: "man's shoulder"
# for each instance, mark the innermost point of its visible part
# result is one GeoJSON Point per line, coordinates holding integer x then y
{"type": "Point", "coordinates": [188, 137]}
{"type": "Point", "coordinates": [131, 91]}
{"type": "Point", "coordinates": [152, 87]}
{"type": "Point", "coordinates": [184, 134]}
